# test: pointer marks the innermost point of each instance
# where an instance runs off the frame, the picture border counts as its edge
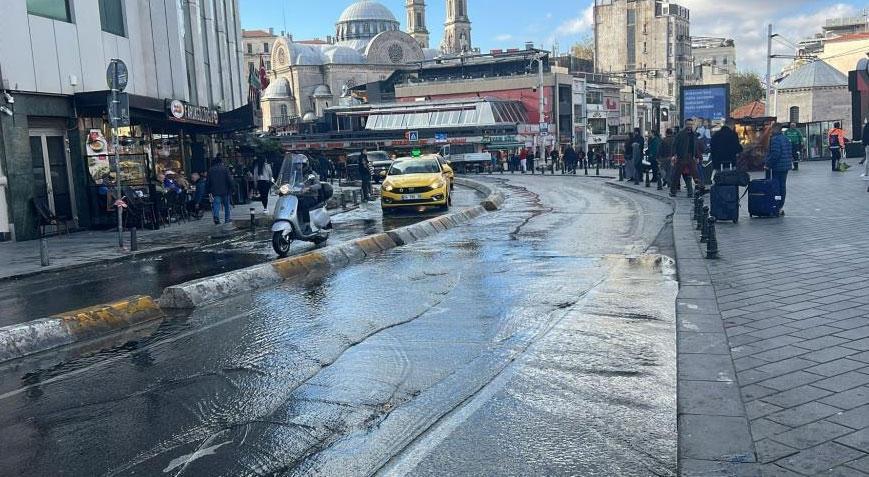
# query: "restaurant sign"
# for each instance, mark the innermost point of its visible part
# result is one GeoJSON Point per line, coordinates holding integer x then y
{"type": "Point", "coordinates": [187, 113]}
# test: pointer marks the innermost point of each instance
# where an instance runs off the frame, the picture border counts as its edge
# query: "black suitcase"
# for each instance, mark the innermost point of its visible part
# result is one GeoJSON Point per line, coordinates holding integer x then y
{"type": "Point", "coordinates": [724, 202]}
{"type": "Point", "coordinates": [732, 177]}
{"type": "Point", "coordinates": [763, 198]}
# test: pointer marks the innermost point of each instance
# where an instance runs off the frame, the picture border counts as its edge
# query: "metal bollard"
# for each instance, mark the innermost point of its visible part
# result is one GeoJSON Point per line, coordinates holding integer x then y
{"type": "Point", "coordinates": [648, 179]}
{"type": "Point", "coordinates": [355, 198]}
{"type": "Point", "coordinates": [585, 166]}
{"type": "Point", "coordinates": [621, 174]}
{"type": "Point", "coordinates": [134, 240]}
{"type": "Point", "coordinates": [43, 252]}
{"type": "Point", "coordinates": [343, 200]}
{"type": "Point", "coordinates": [712, 243]}
{"type": "Point", "coordinates": [698, 209]}
{"type": "Point", "coordinates": [597, 168]}
{"type": "Point", "coordinates": [704, 226]}
{"type": "Point", "coordinates": [252, 220]}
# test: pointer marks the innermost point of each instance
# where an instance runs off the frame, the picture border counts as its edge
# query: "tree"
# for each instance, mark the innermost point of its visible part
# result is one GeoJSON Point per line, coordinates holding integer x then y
{"type": "Point", "coordinates": [583, 49]}
{"type": "Point", "coordinates": [745, 88]}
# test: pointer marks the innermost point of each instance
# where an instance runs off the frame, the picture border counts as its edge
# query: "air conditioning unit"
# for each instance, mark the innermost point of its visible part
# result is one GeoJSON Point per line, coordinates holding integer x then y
{"type": "Point", "coordinates": [652, 74]}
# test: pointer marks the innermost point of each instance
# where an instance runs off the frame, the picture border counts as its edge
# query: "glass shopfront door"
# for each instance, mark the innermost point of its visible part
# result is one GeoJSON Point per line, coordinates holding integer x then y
{"type": "Point", "coordinates": [52, 180]}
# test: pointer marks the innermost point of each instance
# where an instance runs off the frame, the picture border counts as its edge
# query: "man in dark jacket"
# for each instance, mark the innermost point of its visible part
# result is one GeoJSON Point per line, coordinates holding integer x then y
{"type": "Point", "coordinates": [725, 147]}
{"type": "Point", "coordinates": [652, 155]}
{"type": "Point", "coordinates": [779, 161]}
{"type": "Point", "coordinates": [570, 159]}
{"type": "Point", "coordinates": [864, 162]}
{"type": "Point", "coordinates": [637, 143]}
{"type": "Point", "coordinates": [219, 187]}
{"type": "Point", "coordinates": [686, 150]}
{"type": "Point", "coordinates": [665, 157]}
{"type": "Point", "coordinates": [365, 175]}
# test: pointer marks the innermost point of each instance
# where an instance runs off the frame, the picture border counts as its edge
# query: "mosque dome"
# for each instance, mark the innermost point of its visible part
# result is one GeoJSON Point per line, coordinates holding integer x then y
{"type": "Point", "coordinates": [363, 20]}
{"type": "Point", "coordinates": [278, 89]}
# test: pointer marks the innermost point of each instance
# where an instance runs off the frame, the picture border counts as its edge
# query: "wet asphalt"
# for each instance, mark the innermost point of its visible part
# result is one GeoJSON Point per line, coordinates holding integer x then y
{"type": "Point", "coordinates": [538, 340]}
{"type": "Point", "coordinates": [42, 295]}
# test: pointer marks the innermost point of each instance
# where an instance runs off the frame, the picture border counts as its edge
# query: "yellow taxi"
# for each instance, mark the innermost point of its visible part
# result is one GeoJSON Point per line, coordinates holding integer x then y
{"type": "Point", "coordinates": [417, 182]}
{"type": "Point", "coordinates": [448, 170]}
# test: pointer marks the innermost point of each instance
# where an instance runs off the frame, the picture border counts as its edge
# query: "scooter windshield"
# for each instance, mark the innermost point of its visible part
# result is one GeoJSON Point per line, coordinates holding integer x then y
{"type": "Point", "coordinates": [292, 172]}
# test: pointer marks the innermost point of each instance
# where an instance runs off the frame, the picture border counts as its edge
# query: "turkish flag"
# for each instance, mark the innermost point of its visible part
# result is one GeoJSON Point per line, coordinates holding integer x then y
{"type": "Point", "coordinates": [263, 76]}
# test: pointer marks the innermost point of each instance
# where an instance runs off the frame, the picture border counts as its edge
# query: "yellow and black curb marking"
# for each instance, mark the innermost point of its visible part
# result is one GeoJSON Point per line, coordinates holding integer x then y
{"type": "Point", "coordinates": [74, 326]}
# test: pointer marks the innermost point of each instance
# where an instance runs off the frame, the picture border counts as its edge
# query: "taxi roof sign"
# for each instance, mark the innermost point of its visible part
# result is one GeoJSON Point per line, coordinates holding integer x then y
{"type": "Point", "coordinates": [416, 152]}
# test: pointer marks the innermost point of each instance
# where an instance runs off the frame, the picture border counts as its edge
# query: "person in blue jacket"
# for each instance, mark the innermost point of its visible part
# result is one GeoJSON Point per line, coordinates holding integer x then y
{"type": "Point", "coordinates": [779, 161]}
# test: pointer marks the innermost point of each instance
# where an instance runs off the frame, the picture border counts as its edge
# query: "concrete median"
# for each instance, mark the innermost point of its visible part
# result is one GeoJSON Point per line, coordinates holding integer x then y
{"type": "Point", "coordinates": [74, 326]}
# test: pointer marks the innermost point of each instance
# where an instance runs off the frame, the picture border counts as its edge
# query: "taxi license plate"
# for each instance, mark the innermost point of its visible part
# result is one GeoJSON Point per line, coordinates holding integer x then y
{"type": "Point", "coordinates": [411, 196]}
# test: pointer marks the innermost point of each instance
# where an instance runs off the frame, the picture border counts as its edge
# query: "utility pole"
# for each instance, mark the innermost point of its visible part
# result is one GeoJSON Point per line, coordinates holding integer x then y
{"type": "Point", "coordinates": [542, 105]}
{"type": "Point", "coordinates": [769, 69]}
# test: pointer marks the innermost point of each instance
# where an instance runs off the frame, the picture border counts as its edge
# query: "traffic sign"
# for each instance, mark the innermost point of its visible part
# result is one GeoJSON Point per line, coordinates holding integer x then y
{"type": "Point", "coordinates": [413, 136]}
{"type": "Point", "coordinates": [440, 137]}
{"type": "Point", "coordinates": [117, 75]}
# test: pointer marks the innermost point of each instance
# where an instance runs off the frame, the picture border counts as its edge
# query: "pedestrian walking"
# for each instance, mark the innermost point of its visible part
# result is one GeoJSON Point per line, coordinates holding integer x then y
{"type": "Point", "coordinates": [796, 138]}
{"type": "Point", "coordinates": [665, 157]}
{"type": "Point", "coordinates": [686, 151]}
{"type": "Point", "coordinates": [637, 143]}
{"type": "Point", "coordinates": [523, 159]}
{"type": "Point", "coordinates": [865, 161]}
{"type": "Point", "coordinates": [219, 188]}
{"type": "Point", "coordinates": [262, 172]}
{"type": "Point", "coordinates": [553, 155]}
{"type": "Point", "coordinates": [779, 161]}
{"type": "Point", "coordinates": [724, 147]}
{"type": "Point", "coordinates": [570, 158]}
{"type": "Point", "coordinates": [836, 139]}
{"type": "Point", "coordinates": [652, 157]}
{"type": "Point", "coordinates": [365, 175]}
{"type": "Point", "coordinates": [530, 158]}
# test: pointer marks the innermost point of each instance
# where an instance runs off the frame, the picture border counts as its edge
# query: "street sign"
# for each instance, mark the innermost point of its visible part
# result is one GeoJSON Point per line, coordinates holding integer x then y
{"type": "Point", "coordinates": [544, 128]}
{"type": "Point", "coordinates": [440, 137]}
{"type": "Point", "coordinates": [119, 113]}
{"type": "Point", "coordinates": [413, 136]}
{"type": "Point", "coordinates": [117, 75]}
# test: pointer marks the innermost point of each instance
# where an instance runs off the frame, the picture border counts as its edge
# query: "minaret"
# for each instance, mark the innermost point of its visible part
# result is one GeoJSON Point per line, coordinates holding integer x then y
{"type": "Point", "coordinates": [416, 21]}
{"type": "Point", "coordinates": [457, 28]}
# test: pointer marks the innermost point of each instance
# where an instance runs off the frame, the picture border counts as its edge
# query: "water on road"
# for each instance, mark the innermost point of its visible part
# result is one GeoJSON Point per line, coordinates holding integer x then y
{"type": "Point", "coordinates": [538, 340]}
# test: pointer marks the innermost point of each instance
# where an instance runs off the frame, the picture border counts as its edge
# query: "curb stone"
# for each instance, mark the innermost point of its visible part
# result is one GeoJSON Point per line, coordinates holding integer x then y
{"type": "Point", "coordinates": [78, 325]}
{"type": "Point", "coordinates": [731, 451]}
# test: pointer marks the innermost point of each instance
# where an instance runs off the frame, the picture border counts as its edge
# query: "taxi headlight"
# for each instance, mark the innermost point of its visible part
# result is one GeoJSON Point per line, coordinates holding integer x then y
{"type": "Point", "coordinates": [284, 190]}
{"type": "Point", "coordinates": [387, 187]}
{"type": "Point", "coordinates": [436, 185]}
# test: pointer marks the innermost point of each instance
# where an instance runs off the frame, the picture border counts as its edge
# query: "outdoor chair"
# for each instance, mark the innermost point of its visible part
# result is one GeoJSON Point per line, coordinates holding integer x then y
{"type": "Point", "coordinates": [47, 217]}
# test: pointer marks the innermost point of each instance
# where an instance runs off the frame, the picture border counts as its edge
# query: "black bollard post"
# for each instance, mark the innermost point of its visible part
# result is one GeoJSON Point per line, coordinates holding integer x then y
{"type": "Point", "coordinates": [43, 252]}
{"type": "Point", "coordinates": [134, 240]}
{"type": "Point", "coordinates": [704, 227]}
{"type": "Point", "coordinates": [597, 167]}
{"type": "Point", "coordinates": [712, 243]}
{"type": "Point", "coordinates": [698, 208]}
{"type": "Point", "coordinates": [585, 166]}
{"type": "Point", "coordinates": [621, 174]}
{"type": "Point", "coordinates": [252, 220]}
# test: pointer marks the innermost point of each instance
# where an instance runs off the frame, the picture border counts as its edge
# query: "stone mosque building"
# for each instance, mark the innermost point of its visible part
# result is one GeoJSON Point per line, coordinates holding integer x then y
{"type": "Point", "coordinates": [309, 76]}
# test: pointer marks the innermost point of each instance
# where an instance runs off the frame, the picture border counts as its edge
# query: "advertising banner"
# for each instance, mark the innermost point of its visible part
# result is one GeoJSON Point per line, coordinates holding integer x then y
{"type": "Point", "coordinates": [706, 102]}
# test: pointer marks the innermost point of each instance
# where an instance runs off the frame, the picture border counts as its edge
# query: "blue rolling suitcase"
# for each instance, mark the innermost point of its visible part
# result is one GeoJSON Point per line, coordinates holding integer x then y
{"type": "Point", "coordinates": [763, 198]}
{"type": "Point", "coordinates": [724, 202]}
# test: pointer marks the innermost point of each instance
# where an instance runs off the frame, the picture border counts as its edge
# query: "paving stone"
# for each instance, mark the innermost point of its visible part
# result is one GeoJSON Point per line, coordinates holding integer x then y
{"type": "Point", "coordinates": [706, 367]}
{"type": "Point", "coordinates": [709, 343]}
{"type": "Point", "coordinates": [815, 332]}
{"type": "Point", "coordinates": [775, 331]}
{"type": "Point", "coordinates": [812, 434]}
{"type": "Point", "coordinates": [855, 333]}
{"type": "Point", "coordinates": [755, 391]}
{"type": "Point", "coordinates": [848, 399]}
{"type": "Point", "coordinates": [859, 345]}
{"type": "Point", "coordinates": [843, 381]}
{"type": "Point", "coordinates": [769, 451]}
{"type": "Point", "coordinates": [820, 458]}
{"type": "Point", "coordinates": [860, 464]}
{"type": "Point", "coordinates": [715, 438]}
{"type": "Point", "coordinates": [790, 380]}
{"type": "Point", "coordinates": [829, 354]}
{"type": "Point", "coordinates": [803, 414]}
{"type": "Point", "coordinates": [858, 440]}
{"type": "Point", "coordinates": [758, 408]}
{"type": "Point", "coordinates": [858, 418]}
{"type": "Point", "coordinates": [785, 366]}
{"type": "Point", "coordinates": [822, 342]}
{"type": "Point", "coordinates": [864, 357]}
{"type": "Point", "coordinates": [748, 362]}
{"type": "Point", "coordinates": [699, 323]}
{"type": "Point", "coordinates": [763, 427]}
{"type": "Point", "coordinates": [840, 305]}
{"type": "Point", "coordinates": [715, 468]}
{"type": "Point", "coordinates": [838, 366]}
{"type": "Point", "coordinates": [712, 398]}
{"type": "Point", "coordinates": [779, 353]}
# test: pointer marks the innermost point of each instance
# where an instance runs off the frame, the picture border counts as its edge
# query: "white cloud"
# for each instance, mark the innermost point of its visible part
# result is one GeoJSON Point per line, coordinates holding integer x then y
{"type": "Point", "coordinates": [746, 22]}
{"type": "Point", "coordinates": [579, 24]}
{"type": "Point", "coordinates": [504, 37]}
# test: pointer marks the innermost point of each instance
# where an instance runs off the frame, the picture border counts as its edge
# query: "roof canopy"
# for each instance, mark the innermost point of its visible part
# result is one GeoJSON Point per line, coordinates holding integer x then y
{"type": "Point", "coordinates": [441, 115]}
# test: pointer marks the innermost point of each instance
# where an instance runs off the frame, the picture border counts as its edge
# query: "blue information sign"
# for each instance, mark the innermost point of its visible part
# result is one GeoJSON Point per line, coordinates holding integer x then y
{"type": "Point", "coordinates": [710, 102]}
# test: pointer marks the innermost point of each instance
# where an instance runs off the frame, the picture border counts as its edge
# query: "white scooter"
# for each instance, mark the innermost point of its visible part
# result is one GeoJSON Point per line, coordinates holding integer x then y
{"type": "Point", "coordinates": [288, 224]}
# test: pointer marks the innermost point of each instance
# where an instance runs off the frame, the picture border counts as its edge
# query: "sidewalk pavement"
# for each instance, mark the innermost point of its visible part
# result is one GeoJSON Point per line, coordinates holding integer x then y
{"type": "Point", "coordinates": [774, 336]}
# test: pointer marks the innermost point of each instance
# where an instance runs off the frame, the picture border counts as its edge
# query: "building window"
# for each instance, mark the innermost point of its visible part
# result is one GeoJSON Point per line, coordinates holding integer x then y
{"type": "Point", "coordinates": [265, 47]}
{"type": "Point", "coordinates": [632, 38]}
{"type": "Point", "coordinates": [250, 66]}
{"type": "Point", "coordinates": [724, 60]}
{"type": "Point", "coordinates": [250, 48]}
{"type": "Point", "coordinates": [112, 17]}
{"type": "Point", "coordinates": [268, 65]}
{"type": "Point", "coordinates": [55, 9]}
{"type": "Point", "coordinates": [794, 114]}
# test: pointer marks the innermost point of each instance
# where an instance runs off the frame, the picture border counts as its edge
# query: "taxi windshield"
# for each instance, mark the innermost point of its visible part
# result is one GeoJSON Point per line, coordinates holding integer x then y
{"type": "Point", "coordinates": [415, 167]}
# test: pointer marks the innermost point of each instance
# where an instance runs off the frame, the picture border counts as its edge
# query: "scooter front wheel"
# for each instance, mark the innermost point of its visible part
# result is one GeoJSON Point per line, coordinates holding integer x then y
{"type": "Point", "coordinates": [281, 244]}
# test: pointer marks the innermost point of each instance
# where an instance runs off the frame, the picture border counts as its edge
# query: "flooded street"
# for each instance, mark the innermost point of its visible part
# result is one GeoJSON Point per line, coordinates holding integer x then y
{"type": "Point", "coordinates": [45, 294]}
{"type": "Point", "coordinates": [536, 340]}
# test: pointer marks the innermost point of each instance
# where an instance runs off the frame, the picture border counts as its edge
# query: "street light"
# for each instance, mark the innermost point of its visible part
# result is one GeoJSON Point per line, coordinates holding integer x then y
{"type": "Point", "coordinates": [538, 57]}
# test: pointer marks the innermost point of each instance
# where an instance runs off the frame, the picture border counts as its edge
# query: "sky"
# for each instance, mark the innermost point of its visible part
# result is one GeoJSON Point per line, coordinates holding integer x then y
{"type": "Point", "coordinates": [510, 23]}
